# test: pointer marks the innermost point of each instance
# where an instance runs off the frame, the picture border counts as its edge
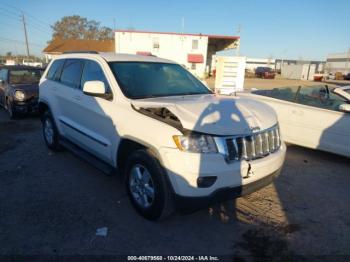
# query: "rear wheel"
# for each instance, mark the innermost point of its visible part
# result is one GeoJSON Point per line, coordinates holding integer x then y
{"type": "Point", "coordinates": [50, 132]}
{"type": "Point", "coordinates": [147, 186]}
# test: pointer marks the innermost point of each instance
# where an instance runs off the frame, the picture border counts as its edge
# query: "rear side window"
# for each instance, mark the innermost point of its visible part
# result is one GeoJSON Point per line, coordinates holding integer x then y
{"type": "Point", "coordinates": [55, 70]}
{"type": "Point", "coordinates": [71, 72]}
{"type": "Point", "coordinates": [92, 72]}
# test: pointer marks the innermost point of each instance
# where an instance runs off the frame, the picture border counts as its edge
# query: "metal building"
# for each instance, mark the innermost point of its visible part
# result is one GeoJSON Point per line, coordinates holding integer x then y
{"type": "Point", "coordinates": [339, 62]}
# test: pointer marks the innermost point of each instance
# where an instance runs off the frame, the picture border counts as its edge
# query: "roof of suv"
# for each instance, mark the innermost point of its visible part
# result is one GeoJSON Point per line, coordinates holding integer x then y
{"type": "Point", "coordinates": [111, 57]}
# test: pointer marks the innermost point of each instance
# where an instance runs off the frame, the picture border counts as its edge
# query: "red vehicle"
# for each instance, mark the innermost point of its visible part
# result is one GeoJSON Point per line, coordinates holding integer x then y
{"type": "Point", "coordinates": [264, 72]}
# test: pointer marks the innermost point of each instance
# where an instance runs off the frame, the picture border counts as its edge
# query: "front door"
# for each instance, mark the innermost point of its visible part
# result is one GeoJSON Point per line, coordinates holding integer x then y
{"type": "Point", "coordinates": [321, 125]}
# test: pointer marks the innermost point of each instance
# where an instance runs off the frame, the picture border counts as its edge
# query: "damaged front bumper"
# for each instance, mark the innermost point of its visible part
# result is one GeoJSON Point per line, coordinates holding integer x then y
{"type": "Point", "coordinates": [232, 180]}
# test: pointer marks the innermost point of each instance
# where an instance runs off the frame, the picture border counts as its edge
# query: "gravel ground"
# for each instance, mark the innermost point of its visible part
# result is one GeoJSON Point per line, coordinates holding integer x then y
{"type": "Point", "coordinates": [52, 203]}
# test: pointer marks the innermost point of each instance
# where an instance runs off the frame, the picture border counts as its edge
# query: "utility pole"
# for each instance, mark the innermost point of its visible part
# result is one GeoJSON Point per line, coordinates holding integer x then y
{"type": "Point", "coordinates": [239, 29]}
{"type": "Point", "coordinates": [114, 24]}
{"type": "Point", "coordinates": [25, 34]}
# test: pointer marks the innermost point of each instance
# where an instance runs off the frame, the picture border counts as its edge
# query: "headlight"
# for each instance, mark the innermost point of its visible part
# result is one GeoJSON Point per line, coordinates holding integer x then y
{"type": "Point", "coordinates": [196, 143]}
{"type": "Point", "coordinates": [20, 95]}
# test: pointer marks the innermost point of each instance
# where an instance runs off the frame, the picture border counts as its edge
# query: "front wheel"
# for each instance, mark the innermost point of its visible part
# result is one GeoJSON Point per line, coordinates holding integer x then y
{"type": "Point", "coordinates": [50, 133]}
{"type": "Point", "coordinates": [11, 110]}
{"type": "Point", "coordinates": [147, 186]}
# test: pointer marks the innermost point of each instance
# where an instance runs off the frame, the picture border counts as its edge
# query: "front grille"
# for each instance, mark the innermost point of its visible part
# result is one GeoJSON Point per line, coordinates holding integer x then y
{"type": "Point", "coordinates": [253, 146]}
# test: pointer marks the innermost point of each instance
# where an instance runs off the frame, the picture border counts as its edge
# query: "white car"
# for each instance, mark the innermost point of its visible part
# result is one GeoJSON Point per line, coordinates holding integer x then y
{"type": "Point", "coordinates": [177, 144]}
{"type": "Point", "coordinates": [316, 117]}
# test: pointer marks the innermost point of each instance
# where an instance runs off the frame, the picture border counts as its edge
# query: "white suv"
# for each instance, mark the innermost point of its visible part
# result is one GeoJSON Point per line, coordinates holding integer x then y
{"type": "Point", "coordinates": [178, 145]}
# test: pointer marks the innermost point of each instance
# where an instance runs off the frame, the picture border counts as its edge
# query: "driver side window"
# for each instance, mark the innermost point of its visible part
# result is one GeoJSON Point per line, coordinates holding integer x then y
{"type": "Point", "coordinates": [319, 96]}
{"type": "Point", "coordinates": [92, 72]}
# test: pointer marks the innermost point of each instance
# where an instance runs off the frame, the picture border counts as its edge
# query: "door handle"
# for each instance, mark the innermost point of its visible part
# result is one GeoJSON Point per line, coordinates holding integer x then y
{"type": "Point", "coordinates": [78, 98]}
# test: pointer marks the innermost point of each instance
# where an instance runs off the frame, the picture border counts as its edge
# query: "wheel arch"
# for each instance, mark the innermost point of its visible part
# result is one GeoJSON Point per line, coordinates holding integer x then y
{"type": "Point", "coordinates": [128, 145]}
{"type": "Point", "coordinates": [43, 107]}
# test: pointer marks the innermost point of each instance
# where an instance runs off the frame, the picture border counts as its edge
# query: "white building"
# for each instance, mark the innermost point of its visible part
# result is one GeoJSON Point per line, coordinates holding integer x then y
{"type": "Point", "coordinates": [253, 63]}
{"type": "Point", "coordinates": [339, 62]}
{"type": "Point", "coordinates": [194, 51]}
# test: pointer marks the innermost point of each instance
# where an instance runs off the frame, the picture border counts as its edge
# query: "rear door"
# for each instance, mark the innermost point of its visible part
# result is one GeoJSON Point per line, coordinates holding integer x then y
{"type": "Point", "coordinates": [66, 90]}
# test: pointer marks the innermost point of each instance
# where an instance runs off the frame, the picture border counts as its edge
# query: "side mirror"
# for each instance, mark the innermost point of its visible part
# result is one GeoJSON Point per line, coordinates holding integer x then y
{"type": "Point", "coordinates": [344, 108]}
{"type": "Point", "coordinates": [94, 88]}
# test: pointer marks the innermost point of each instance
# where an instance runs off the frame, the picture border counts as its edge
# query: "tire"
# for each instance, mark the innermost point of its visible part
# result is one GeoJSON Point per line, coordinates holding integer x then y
{"type": "Point", "coordinates": [50, 132]}
{"type": "Point", "coordinates": [151, 177]}
{"type": "Point", "coordinates": [11, 111]}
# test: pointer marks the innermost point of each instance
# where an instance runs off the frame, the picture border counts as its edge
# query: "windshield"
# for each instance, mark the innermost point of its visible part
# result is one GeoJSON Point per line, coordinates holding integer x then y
{"type": "Point", "coordinates": [146, 79]}
{"type": "Point", "coordinates": [25, 76]}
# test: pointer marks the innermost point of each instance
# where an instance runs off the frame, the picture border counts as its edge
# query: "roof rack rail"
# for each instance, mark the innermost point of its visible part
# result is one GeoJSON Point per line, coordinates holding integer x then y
{"type": "Point", "coordinates": [80, 52]}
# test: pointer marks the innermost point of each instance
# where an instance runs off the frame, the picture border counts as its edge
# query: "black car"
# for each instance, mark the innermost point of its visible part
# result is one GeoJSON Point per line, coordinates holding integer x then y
{"type": "Point", "coordinates": [347, 76]}
{"type": "Point", "coordinates": [19, 89]}
{"type": "Point", "coordinates": [264, 72]}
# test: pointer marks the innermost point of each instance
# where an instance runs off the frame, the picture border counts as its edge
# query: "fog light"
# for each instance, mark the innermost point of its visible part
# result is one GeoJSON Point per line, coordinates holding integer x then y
{"type": "Point", "coordinates": [206, 181]}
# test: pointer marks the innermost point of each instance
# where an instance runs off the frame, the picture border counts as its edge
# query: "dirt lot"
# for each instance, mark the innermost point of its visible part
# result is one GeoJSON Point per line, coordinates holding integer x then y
{"type": "Point", "coordinates": [259, 83]}
{"type": "Point", "coordinates": [52, 203]}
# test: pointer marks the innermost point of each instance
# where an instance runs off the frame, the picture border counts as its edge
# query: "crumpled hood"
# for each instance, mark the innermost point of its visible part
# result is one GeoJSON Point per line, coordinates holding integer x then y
{"type": "Point", "coordinates": [214, 114]}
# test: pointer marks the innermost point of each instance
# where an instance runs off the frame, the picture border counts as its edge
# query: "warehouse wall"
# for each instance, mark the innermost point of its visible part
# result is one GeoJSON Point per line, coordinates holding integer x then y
{"type": "Point", "coordinates": [175, 47]}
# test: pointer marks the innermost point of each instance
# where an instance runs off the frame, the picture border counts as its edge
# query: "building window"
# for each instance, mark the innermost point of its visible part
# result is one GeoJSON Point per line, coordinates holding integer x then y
{"type": "Point", "coordinates": [194, 44]}
{"type": "Point", "coordinates": [193, 66]}
{"type": "Point", "coordinates": [156, 43]}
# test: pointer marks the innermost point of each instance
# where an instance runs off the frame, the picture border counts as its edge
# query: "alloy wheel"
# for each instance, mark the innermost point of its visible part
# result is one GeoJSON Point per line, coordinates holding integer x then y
{"type": "Point", "coordinates": [141, 186]}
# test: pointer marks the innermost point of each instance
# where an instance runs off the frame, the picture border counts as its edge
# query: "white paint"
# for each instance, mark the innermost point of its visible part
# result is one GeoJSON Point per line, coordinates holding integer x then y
{"type": "Point", "coordinates": [230, 73]}
{"type": "Point", "coordinates": [308, 71]}
{"type": "Point", "coordinates": [108, 121]}
{"type": "Point", "coordinates": [175, 47]}
{"type": "Point", "coordinates": [10, 62]}
{"type": "Point", "coordinates": [338, 62]}
{"type": "Point", "coordinates": [309, 126]}
{"type": "Point", "coordinates": [253, 63]}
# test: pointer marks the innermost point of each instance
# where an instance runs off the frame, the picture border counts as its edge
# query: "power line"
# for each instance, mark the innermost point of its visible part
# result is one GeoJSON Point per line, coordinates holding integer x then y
{"type": "Point", "coordinates": [17, 14]}
{"type": "Point", "coordinates": [39, 29]}
{"type": "Point", "coordinates": [9, 11]}
{"type": "Point", "coordinates": [4, 39]}
{"type": "Point", "coordinates": [11, 16]}
{"type": "Point", "coordinates": [7, 24]}
{"type": "Point", "coordinates": [41, 22]}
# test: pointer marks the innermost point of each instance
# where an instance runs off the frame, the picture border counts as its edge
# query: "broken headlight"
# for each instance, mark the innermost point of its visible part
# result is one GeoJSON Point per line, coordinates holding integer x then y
{"type": "Point", "coordinates": [196, 143]}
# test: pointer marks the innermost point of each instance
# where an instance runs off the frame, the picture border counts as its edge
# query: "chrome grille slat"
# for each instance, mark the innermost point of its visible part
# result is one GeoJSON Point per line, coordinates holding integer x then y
{"type": "Point", "coordinates": [266, 143]}
{"type": "Point", "coordinates": [244, 148]}
{"type": "Point", "coordinates": [254, 146]}
{"type": "Point", "coordinates": [259, 145]}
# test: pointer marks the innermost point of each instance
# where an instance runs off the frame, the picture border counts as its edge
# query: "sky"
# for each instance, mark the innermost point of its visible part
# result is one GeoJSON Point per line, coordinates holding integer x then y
{"type": "Point", "coordinates": [268, 28]}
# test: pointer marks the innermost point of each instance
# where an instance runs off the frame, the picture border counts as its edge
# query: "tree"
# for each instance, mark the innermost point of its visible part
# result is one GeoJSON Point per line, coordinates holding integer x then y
{"type": "Point", "coordinates": [77, 27]}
